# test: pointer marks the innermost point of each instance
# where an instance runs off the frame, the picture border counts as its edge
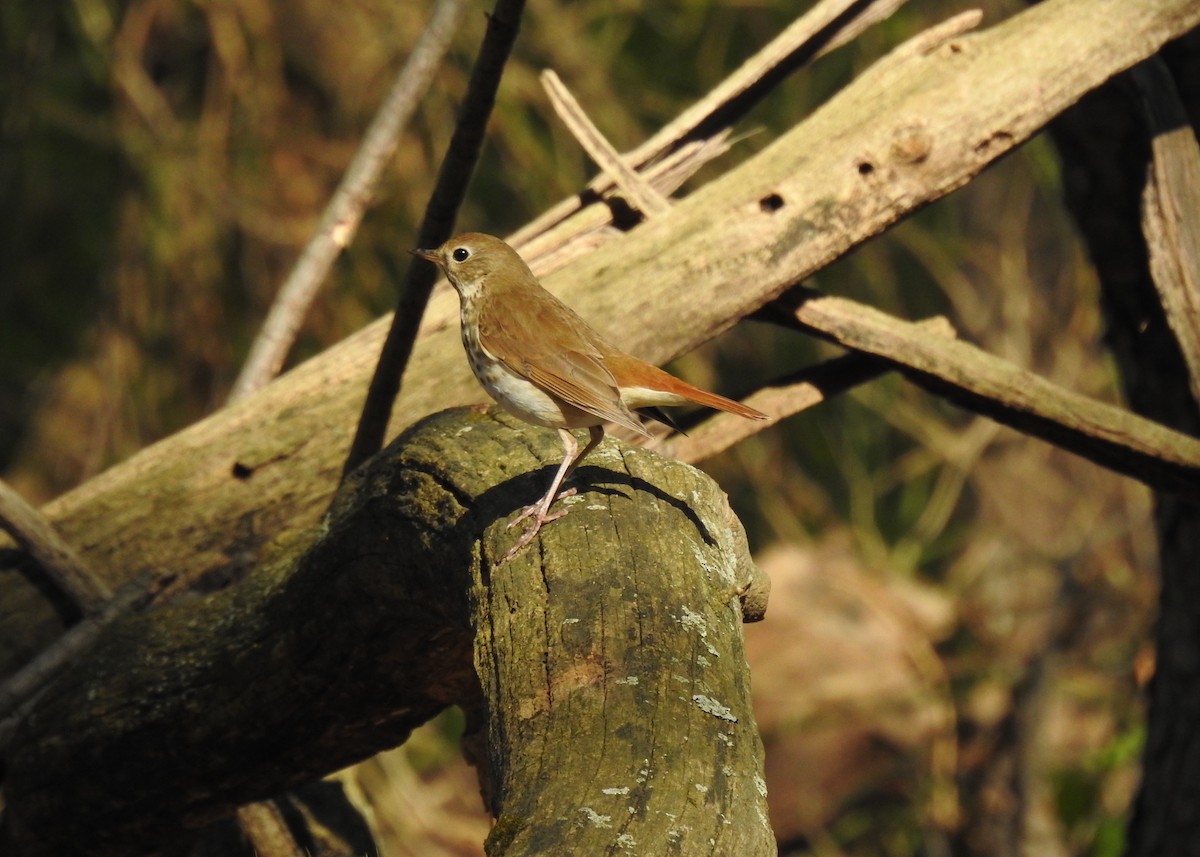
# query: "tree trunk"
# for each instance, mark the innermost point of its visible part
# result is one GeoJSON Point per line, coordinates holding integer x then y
{"type": "Point", "coordinates": [615, 695]}
{"type": "Point", "coordinates": [1105, 143]}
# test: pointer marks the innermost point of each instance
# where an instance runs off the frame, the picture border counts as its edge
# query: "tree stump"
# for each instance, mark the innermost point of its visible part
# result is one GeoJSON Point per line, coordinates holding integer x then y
{"type": "Point", "coordinates": [612, 692]}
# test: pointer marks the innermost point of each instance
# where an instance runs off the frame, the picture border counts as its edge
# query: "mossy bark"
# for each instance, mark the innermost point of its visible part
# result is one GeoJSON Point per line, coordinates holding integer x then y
{"type": "Point", "coordinates": [614, 689]}
{"type": "Point", "coordinates": [611, 662]}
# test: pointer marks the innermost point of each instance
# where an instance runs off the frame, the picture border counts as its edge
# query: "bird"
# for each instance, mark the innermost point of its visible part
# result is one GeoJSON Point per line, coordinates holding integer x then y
{"type": "Point", "coordinates": [545, 365]}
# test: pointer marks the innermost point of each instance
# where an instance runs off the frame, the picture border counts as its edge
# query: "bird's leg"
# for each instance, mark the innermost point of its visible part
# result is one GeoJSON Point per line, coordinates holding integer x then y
{"type": "Point", "coordinates": [595, 435]}
{"type": "Point", "coordinates": [540, 511]}
{"type": "Point", "coordinates": [542, 506]}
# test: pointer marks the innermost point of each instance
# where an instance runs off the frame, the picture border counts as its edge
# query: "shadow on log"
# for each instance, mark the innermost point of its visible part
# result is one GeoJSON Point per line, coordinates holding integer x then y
{"type": "Point", "coordinates": [613, 691]}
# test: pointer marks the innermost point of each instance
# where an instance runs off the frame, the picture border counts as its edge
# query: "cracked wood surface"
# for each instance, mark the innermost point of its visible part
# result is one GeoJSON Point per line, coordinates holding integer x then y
{"type": "Point", "coordinates": [628, 625]}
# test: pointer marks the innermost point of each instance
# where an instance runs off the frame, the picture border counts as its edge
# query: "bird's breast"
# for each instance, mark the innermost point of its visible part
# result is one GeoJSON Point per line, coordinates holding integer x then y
{"type": "Point", "coordinates": [518, 395]}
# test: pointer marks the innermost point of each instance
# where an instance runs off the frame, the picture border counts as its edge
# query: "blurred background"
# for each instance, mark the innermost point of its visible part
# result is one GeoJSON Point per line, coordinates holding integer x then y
{"type": "Point", "coordinates": [958, 632]}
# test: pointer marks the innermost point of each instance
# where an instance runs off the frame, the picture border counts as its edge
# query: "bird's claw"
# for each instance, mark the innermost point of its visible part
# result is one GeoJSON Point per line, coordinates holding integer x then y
{"type": "Point", "coordinates": [540, 516]}
{"type": "Point", "coordinates": [545, 516]}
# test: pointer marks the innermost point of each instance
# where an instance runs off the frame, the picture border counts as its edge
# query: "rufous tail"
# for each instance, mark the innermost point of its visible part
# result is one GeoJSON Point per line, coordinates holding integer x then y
{"type": "Point", "coordinates": [631, 372]}
{"type": "Point", "coordinates": [712, 400]}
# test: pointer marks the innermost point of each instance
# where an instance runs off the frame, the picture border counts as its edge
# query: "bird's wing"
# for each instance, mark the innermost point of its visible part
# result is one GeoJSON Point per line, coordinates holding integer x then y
{"type": "Point", "coordinates": [566, 364]}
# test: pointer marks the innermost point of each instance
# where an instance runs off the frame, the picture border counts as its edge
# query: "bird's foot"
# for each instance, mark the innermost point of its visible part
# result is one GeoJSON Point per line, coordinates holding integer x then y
{"type": "Point", "coordinates": [541, 514]}
{"type": "Point", "coordinates": [545, 515]}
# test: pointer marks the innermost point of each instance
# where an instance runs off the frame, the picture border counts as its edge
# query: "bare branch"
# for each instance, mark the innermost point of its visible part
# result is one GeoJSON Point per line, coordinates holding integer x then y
{"type": "Point", "coordinates": [591, 226]}
{"type": "Point", "coordinates": [440, 214]}
{"type": "Point", "coordinates": [266, 831]}
{"type": "Point", "coordinates": [1164, 459]}
{"type": "Point", "coordinates": [828, 25]}
{"type": "Point", "coordinates": [345, 211]}
{"type": "Point", "coordinates": [639, 192]}
{"type": "Point", "coordinates": [58, 559]}
{"type": "Point", "coordinates": [1171, 210]}
{"type": "Point", "coordinates": [823, 28]}
{"type": "Point", "coordinates": [784, 398]}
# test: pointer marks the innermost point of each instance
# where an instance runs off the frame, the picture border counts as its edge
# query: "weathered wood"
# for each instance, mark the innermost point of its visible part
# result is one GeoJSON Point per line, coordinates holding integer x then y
{"type": "Point", "coordinates": [1162, 458]}
{"type": "Point", "coordinates": [611, 660]}
{"type": "Point", "coordinates": [57, 559]}
{"type": "Point", "coordinates": [920, 123]}
{"type": "Point", "coordinates": [1171, 210]}
{"type": "Point", "coordinates": [638, 192]}
{"type": "Point", "coordinates": [1110, 169]}
{"type": "Point", "coordinates": [827, 25]}
{"type": "Point", "coordinates": [632, 629]}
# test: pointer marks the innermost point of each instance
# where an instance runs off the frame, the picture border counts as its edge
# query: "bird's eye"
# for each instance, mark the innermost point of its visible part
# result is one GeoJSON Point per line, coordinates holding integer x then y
{"type": "Point", "coordinates": [461, 254]}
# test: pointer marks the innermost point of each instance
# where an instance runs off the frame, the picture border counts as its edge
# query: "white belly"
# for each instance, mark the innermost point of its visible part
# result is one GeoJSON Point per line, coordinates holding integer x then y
{"type": "Point", "coordinates": [522, 398]}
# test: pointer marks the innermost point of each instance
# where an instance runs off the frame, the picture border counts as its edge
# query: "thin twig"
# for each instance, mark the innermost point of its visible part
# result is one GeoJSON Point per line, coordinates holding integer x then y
{"type": "Point", "coordinates": [440, 214]}
{"type": "Point", "coordinates": [550, 251]}
{"type": "Point", "coordinates": [823, 28]}
{"type": "Point", "coordinates": [1160, 457]}
{"type": "Point", "coordinates": [266, 831]}
{"type": "Point", "coordinates": [639, 192]}
{"type": "Point", "coordinates": [345, 211]}
{"type": "Point", "coordinates": [827, 25]}
{"type": "Point", "coordinates": [37, 536]}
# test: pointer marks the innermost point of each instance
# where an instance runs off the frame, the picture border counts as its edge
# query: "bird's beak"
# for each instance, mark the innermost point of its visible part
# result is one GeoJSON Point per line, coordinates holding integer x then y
{"type": "Point", "coordinates": [431, 255]}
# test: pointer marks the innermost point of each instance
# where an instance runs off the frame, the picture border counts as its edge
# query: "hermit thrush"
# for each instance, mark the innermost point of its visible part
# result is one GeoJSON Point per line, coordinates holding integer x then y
{"type": "Point", "coordinates": [545, 364]}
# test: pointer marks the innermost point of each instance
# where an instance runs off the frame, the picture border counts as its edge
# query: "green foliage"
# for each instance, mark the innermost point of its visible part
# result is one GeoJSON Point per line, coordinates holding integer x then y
{"type": "Point", "coordinates": [1080, 795]}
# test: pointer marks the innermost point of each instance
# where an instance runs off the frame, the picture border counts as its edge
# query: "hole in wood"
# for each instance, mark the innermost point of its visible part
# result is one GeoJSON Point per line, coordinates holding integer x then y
{"type": "Point", "coordinates": [624, 216]}
{"type": "Point", "coordinates": [241, 471]}
{"type": "Point", "coordinates": [865, 168]}
{"type": "Point", "coordinates": [771, 202]}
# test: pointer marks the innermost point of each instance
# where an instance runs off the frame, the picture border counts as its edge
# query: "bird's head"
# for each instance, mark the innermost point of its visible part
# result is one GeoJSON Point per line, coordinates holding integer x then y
{"type": "Point", "coordinates": [473, 259]}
